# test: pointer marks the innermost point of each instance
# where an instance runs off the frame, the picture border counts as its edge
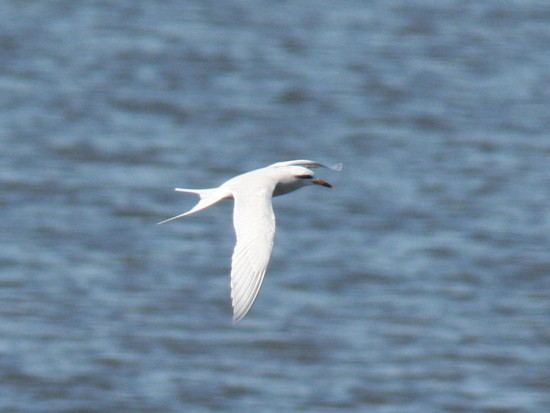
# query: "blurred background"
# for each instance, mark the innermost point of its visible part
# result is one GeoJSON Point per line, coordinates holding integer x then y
{"type": "Point", "coordinates": [419, 284]}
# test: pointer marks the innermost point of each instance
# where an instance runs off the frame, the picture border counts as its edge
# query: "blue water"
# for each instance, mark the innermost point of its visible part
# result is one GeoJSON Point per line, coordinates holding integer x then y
{"type": "Point", "coordinates": [421, 283]}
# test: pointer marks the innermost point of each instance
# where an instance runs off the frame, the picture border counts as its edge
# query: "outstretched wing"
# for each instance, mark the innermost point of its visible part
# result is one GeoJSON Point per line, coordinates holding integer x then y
{"type": "Point", "coordinates": [254, 223]}
{"type": "Point", "coordinates": [309, 164]}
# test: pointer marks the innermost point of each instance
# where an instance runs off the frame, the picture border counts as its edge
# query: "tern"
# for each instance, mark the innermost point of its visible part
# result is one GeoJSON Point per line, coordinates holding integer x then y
{"type": "Point", "coordinates": [254, 220]}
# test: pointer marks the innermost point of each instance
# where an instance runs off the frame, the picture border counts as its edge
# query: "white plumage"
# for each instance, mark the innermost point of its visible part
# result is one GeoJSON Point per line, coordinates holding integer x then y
{"type": "Point", "coordinates": [254, 220]}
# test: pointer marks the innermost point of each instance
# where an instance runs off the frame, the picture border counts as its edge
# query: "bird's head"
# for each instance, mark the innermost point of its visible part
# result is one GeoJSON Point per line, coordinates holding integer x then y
{"type": "Point", "coordinates": [307, 177]}
{"type": "Point", "coordinates": [293, 177]}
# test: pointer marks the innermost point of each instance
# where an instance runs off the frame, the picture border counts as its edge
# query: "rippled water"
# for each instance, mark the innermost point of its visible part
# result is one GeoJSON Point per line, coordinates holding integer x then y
{"type": "Point", "coordinates": [419, 284]}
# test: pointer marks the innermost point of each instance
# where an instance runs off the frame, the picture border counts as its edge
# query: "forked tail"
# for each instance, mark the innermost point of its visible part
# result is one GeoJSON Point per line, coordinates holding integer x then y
{"type": "Point", "coordinates": [208, 197]}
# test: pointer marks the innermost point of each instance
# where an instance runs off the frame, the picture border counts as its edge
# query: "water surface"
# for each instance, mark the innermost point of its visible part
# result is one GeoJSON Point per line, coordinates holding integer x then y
{"type": "Point", "coordinates": [419, 284]}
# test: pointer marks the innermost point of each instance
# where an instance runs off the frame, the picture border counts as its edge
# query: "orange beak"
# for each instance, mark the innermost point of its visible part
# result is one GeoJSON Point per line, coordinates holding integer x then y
{"type": "Point", "coordinates": [321, 182]}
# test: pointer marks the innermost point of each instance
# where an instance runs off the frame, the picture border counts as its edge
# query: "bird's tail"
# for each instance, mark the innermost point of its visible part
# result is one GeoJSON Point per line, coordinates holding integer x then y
{"type": "Point", "coordinates": [208, 197]}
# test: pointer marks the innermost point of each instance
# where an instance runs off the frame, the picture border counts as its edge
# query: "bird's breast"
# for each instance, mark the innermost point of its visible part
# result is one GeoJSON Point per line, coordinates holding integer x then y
{"type": "Point", "coordinates": [285, 187]}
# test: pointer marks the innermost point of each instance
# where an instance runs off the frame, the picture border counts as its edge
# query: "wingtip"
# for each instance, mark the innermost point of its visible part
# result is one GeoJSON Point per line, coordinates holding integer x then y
{"type": "Point", "coordinates": [237, 317]}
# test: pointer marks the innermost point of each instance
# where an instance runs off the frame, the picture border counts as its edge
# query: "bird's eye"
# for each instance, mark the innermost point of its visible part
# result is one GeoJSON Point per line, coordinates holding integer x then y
{"type": "Point", "coordinates": [304, 176]}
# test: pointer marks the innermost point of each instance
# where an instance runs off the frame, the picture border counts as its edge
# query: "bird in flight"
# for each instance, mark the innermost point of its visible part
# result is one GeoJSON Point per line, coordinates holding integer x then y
{"type": "Point", "coordinates": [254, 220]}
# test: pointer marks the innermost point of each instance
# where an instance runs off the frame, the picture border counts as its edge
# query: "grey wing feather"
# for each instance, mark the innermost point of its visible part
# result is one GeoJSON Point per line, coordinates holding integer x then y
{"type": "Point", "coordinates": [309, 164]}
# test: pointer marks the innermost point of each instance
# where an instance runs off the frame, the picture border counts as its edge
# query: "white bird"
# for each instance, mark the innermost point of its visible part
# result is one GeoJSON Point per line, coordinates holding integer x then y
{"type": "Point", "coordinates": [254, 220]}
